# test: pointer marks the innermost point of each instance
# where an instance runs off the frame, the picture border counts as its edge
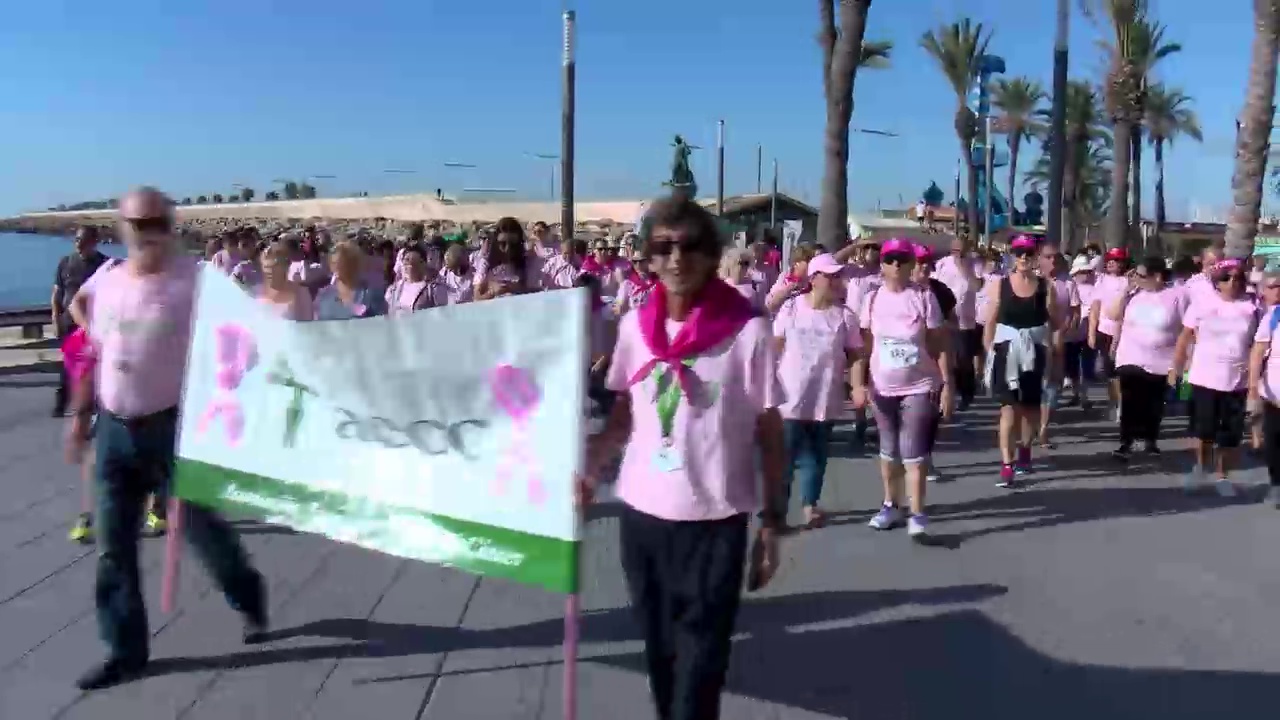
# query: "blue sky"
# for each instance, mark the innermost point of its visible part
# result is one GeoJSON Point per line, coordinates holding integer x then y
{"type": "Point", "coordinates": [196, 96]}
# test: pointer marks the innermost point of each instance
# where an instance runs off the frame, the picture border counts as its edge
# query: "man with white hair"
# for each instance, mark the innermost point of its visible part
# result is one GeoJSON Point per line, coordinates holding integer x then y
{"type": "Point", "coordinates": [140, 327]}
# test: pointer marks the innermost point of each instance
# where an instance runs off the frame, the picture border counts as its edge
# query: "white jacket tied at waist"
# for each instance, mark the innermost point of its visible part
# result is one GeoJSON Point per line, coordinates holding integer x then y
{"type": "Point", "coordinates": [1021, 356]}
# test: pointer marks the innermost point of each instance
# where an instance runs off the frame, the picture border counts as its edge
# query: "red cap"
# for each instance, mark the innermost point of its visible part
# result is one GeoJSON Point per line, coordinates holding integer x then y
{"type": "Point", "coordinates": [1117, 254]}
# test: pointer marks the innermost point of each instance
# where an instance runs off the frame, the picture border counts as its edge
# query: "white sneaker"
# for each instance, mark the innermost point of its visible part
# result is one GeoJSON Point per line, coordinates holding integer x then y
{"type": "Point", "coordinates": [888, 518]}
{"type": "Point", "coordinates": [1116, 414]}
{"type": "Point", "coordinates": [917, 525]}
{"type": "Point", "coordinates": [1225, 488]}
{"type": "Point", "coordinates": [1193, 479]}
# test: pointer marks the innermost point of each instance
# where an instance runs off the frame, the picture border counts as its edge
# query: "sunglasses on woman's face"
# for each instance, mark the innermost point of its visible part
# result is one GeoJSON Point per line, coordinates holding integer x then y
{"type": "Point", "coordinates": [1230, 277]}
{"type": "Point", "coordinates": [897, 258]}
{"type": "Point", "coordinates": [1023, 252]}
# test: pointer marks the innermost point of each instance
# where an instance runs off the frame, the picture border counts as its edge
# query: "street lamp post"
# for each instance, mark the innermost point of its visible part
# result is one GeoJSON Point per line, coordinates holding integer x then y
{"type": "Point", "coordinates": [773, 198]}
{"type": "Point", "coordinates": [552, 157]}
{"type": "Point", "coordinates": [1058, 126]}
{"type": "Point", "coordinates": [720, 167]}
{"type": "Point", "coordinates": [567, 89]}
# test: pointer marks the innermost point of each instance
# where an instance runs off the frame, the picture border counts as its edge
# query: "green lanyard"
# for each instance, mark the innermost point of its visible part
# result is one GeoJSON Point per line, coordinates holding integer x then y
{"type": "Point", "coordinates": [668, 399]}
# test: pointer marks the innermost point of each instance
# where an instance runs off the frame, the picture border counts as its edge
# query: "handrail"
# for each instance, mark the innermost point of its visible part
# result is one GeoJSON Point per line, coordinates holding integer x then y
{"type": "Point", "coordinates": [31, 319]}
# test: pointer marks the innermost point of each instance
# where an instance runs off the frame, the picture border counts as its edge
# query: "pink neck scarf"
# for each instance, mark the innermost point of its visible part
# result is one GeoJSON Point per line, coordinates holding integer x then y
{"type": "Point", "coordinates": [719, 312]}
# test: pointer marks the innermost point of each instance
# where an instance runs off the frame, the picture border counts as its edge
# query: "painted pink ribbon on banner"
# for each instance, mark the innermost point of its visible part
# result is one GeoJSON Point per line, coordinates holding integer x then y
{"type": "Point", "coordinates": [237, 355]}
{"type": "Point", "coordinates": [516, 393]}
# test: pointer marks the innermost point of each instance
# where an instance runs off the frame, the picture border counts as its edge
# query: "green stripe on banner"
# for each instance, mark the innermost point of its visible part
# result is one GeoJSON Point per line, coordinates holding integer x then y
{"type": "Point", "coordinates": [405, 532]}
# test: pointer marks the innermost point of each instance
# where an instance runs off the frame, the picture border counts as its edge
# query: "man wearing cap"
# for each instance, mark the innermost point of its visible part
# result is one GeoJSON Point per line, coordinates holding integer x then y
{"type": "Point", "coordinates": [140, 327]}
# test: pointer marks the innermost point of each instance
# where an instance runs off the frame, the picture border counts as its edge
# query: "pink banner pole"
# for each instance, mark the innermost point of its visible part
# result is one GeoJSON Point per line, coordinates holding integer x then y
{"type": "Point", "coordinates": [571, 619]}
{"type": "Point", "coordinates": [172, 556]}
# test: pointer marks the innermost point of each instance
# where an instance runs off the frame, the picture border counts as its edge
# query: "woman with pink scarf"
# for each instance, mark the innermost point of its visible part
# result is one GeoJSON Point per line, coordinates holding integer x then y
{"type": "Point", "coordinates": [696, 419]}
{"type": "Point", "coordinates": [604, 264]}
{"type": "Point", "coordinates": [636, 287]}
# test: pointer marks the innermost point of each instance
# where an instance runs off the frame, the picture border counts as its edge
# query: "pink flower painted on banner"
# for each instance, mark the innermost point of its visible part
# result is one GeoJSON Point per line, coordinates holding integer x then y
{"type": "Point", "coordinates": [237, 355]}
{"type": "Point", "coordinates": [516, 392]}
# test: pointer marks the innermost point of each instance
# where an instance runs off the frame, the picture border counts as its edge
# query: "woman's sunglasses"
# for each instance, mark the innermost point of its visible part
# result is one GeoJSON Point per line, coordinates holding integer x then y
{"type": "Point", "coordinates": [1022, 252]}
{"type": "Point", "coordinates": [894, 258]}
{"type": "Point", "coordinates": [1229, 277]}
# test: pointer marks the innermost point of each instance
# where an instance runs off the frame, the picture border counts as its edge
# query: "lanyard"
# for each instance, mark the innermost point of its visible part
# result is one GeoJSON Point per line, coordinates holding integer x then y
{"type": "Point", "coordinates": [668, 399]}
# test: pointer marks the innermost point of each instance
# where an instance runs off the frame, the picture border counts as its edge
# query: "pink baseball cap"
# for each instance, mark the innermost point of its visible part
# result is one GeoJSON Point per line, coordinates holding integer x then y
{"type": "Point", "coordinates": [897, 245]}
{"type": "Point", "coordinates": [1023, 241]}
{"type": "Point", "coordinates": [923, 252]}
{"type": "Point", "coordinates": [826, 264]}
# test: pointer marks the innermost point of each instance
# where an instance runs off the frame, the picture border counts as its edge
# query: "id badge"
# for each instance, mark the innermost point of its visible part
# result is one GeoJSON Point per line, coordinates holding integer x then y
{"type": "Point", "coordinates": [667, 459]}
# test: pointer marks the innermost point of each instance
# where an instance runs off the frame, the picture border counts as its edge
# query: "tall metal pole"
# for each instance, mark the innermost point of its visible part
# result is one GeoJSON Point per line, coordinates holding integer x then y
{"type": "Point", "coordinates": [566, 130]}
{"type": "Point", "coordinates": [759, 168]}
{"type": "Point", "coordinates": [955, 216]}
{"type": "Point", "coordinates": [1058, 126]}
{"type": "Point", "coordinates": [986, 188]}
{"type": "Point", "coordinates": [720, 168]}
{"type": "Point", "coordinates": [773, 199]}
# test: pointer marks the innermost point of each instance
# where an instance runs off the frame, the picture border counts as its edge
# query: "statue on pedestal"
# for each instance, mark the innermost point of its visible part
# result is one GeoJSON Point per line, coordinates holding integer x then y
{"type": "Point", "coordinates": [682, 181]}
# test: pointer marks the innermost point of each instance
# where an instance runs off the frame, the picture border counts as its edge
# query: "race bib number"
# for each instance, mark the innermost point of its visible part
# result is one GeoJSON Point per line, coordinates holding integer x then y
{"type": "Point", "coordinates": [897, 354]}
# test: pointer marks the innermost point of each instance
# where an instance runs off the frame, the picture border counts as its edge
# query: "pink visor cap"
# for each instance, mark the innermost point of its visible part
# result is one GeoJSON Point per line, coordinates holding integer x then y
{"type": "Point", "coordinates": [898, 245]}
{"type": "Point", "coordinates": [1023, 242]}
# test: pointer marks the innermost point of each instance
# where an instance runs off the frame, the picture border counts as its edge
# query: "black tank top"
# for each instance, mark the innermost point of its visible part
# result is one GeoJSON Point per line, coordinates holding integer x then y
{"type": "Point", "coordinates": [1022, 313]}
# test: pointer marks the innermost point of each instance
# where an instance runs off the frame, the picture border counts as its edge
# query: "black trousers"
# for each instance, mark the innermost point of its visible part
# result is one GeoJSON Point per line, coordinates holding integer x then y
{"type": "Point", "coordinates": [968, 345]}
{"type": "Point", "coordinates": [1271, 441]}
{"type": "Point", "coordinates": [1142, 396]}
{"type": "Point", "coordinates": [685, 581]}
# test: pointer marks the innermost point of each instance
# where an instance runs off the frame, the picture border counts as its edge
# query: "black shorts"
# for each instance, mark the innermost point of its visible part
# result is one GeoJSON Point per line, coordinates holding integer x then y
{"type": "Point", "coordinates": [1218, 416]}
{"type": "Point", "coordinates": [1030, 391]}
{"type": "Point", "coordinates": [1103, 351]}
{"type": "Point", "coordinates": [971, 342]}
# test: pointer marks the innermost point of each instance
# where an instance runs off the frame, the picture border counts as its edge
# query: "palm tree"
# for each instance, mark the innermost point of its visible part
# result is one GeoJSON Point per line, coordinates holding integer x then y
{"type": "Point", "coordinates": [1134, 47]}
{"type": "Point", "coordinates": [1167, 116]}
{"type": "Point", "coordinates": [957, 48]}
{"type": "Point", "coordinates": [1087, 160]}
{"type": "Point", "coordinates": [1253, 139]}
{"type": "Point", "coordinates": [843, 52]}
{"type": "Point", "coordinates": [1017, 99]}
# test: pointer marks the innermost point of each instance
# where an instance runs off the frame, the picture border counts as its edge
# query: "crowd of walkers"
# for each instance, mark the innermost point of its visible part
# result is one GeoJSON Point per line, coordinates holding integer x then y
{"type": "Point", "coordinates": [722, 372]}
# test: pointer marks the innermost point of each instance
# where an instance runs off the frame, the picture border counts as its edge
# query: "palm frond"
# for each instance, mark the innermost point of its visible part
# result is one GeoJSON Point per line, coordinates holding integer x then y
{"type": "Point", "coordinates": [875, 54]}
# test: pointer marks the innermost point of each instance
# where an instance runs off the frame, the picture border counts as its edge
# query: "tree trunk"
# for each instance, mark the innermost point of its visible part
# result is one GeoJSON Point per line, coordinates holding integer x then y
{"type": "Point", "coordinates": [1070, 170]}
{"type": "Point", "coordinates": [1015, 144]}
{"type": "Point", "coordinates": [1116, 229]}
{"type": "Point", "coordinates": [1160, 210]}
{"type": "Point", "coordinates": [1253, 138]}
{"type": "Point", "coordinates": [1135, 188]}
{"type": "Point", "coordinates": [841, 53]}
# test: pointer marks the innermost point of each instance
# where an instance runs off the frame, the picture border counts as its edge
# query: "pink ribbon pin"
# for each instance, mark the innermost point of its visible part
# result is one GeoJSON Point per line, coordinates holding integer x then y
{"type": "Point", "coordinates": [517, 394]}
{"type": "Point", "coordinates": [237, 355]}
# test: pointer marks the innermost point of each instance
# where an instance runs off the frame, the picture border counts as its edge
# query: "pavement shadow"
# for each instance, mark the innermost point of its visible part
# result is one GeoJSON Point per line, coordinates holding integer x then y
{"type": "Point", "coordinates": [963, 664]}
{"type": "Point", "coordinates": [362, 638]}
{"type": "Point", "coordinates": [1044, 507]}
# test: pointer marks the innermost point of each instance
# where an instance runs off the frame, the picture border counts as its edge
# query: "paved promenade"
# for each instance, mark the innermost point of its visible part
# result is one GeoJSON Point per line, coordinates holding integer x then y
{"type": "Point", "coordinates": [1091, 594]}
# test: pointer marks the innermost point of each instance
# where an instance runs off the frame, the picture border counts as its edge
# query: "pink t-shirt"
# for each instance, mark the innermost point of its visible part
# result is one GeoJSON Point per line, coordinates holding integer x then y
{"type": "Point", "coordinates": [458, 288]}
{"type": "Point", "coordinates": [247, 273]}
{"type": "Point", "coordinates": [1066, 297]}
{"type": "Point", "coordinates": [557, 272]}
{"type": "Point", "coordinates": [1152, 324]}
{"type": "Point", "coordinates": [1224, 337]}
{"type": "Point", "coordinates": [900, 360]}
{"type": "Point", "coordinates": [751, 292]}
{"type": "Point", "coordinates": [505, 273]}
{"type": "Point", "coordinates": [858, 288]}
{"type": "Point", "coordinates": [1199, 286]}
{"type": "Point", "coordinates": [311, 274]}
{"type": "Point", "coordinates": [1106, 290]}
{"type": "Point", "coordinates": [141, 327]}
{"type": "Point", "coordinates": [1269, 385]}
{"type": "Point", "coordinates": [814, 357]}
{"type": "Point", "coordinates": [403, 294]}
{"type": "Point", "coordinates": [966, 295]}
{"type": "Point", "coordinates": [300, 307]}
{"type": "Point", "coordinates": [1085, 292]}
{"type": "Point", "coordinates": [713, 474]}
{"type": "Point", "coordinates": [632, 295]}
{"type": "Point", "coordinates": [981, 300]}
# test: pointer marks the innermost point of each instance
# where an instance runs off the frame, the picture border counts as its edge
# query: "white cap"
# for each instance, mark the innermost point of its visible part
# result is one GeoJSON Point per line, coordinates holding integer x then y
{"type": "Point", "coordinates": [1081, 264]}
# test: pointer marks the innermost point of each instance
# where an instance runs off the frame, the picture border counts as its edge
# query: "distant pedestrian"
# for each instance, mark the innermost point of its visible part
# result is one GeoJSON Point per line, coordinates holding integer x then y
{"type": "Point", "coordinates": [73, 271]}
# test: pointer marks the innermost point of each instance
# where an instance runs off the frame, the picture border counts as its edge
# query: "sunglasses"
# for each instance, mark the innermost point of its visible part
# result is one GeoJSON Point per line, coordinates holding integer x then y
{"type": "Point", "coordinates": [155, 224]}
{"type": "Point", "coordinates": [894, 258]}
{"type": "Point", "coordinates": [1229, 277]}
{"type": "Point", "coordinates": [1272, 286]}
{"type": "Point", "coordinates": [1022, 252]}
{"type": "Point", "coordinates": [688, 246]}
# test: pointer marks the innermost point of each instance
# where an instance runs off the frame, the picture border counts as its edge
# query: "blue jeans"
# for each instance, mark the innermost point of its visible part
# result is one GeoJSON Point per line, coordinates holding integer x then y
{"type": "Point", "coordinates": [135, 459]}
{"type": "Point", "coordinates": [807, 443]}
